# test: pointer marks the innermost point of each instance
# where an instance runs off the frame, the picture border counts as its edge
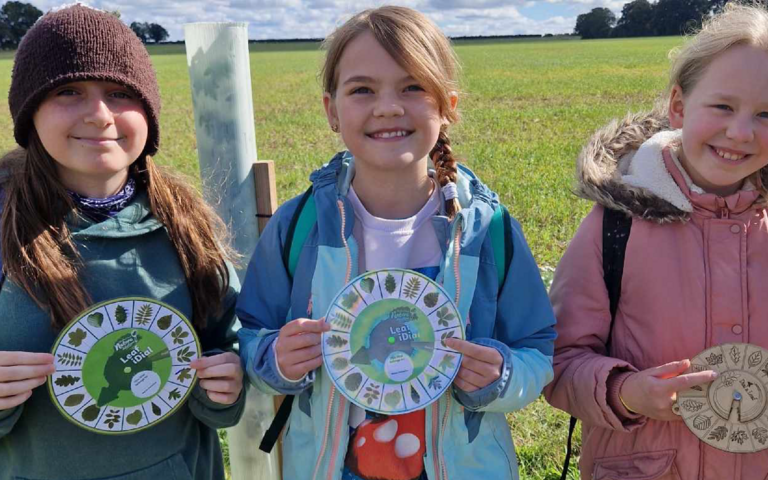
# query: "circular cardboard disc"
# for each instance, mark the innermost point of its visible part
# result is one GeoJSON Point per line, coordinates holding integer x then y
{"type": "Point", "coordinates": [385, 351]}
{"type": "Point", "coordinates": [123, 365]}
{"type": "Point", "coordinates": [730, 413]}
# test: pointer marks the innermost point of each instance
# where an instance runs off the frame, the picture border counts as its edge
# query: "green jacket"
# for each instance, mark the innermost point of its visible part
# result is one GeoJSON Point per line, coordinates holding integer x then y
{"type": "Point", "coordinates": [128, 255]}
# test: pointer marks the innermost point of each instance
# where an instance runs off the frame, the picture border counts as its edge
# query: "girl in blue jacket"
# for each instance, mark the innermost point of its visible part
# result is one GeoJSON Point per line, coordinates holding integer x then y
{"type": "Point", "coordinates": [88, 217]}
{"type": "Point", "coordinates": [390, 90]}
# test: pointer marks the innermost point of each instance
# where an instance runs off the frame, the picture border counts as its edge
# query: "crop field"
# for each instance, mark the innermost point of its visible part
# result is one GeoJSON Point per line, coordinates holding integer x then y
{"type": "Point", "coordinates": [527, 108]}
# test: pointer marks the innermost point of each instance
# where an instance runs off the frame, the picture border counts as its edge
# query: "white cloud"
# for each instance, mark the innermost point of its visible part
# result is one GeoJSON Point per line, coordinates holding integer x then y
{"type": "Point", "coordinates": [278, 19]}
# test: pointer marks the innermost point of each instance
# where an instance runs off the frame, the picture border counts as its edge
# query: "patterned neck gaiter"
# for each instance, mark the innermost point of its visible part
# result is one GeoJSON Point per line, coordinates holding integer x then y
{"type": "Point", "coordinates": [100, 209]}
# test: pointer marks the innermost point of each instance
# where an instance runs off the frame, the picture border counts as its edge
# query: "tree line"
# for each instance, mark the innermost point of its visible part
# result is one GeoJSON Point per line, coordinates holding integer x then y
{"type": "Point", "coordinates": [641, 18]}
{"type": "Point", "coordinates": [18, 17]}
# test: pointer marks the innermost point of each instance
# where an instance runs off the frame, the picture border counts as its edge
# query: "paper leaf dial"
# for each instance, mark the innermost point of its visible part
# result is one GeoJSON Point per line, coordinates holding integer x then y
{"type": "Point", "coordinates": [95, 319]}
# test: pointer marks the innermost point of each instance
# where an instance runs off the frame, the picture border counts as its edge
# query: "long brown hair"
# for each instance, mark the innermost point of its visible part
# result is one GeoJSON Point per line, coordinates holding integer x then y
{"type": "Point", "coordinates": [39, 255]}
{"type": "Point", "coordinates": [422, 50]}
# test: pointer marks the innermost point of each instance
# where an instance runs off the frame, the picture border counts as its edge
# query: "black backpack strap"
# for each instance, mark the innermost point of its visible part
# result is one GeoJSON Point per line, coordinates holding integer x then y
{"type": "Point", "coordinates": [273, 432]}
{"type": "Point", "coordinates": [616, 228]}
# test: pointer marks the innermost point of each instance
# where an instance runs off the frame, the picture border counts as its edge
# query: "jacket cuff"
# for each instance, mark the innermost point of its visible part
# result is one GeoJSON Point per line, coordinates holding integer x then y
{"type": "Point", "coordinates": [480, 398]}
{"type": "Point", "coordinates": [273, 361]}
{"type": "Point", "coordinates": [272, 375]}
{"type": "Point", "coordinates": [613, 386]}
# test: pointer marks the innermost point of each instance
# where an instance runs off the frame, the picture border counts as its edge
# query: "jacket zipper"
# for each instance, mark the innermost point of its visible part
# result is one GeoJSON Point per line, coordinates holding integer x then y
{"type": "Point", "coordinates": [439, 463]}
{"type": "Point", "coordinates": [337, 431]}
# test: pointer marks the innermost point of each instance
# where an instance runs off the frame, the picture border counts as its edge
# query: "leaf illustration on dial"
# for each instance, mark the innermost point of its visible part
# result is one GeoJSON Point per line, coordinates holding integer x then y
{"type": "Point", "coordinates": [755, 359]}
{"type": "Point", "coordinates": [367, 284]}
{"type": "Point", "coordinates": [349, 300]}
{"type": "Point", "coordinates": [174, 394]}
{"type": "Point", "coordinates": [718, 433]}
{"type": "Point", "coordinates": [156, 410]}
{"type": "Point", "coordinates": [353, 381]}
{"type": "Point", "coordinates": [735, 354]}
{"type": "Point", "coordinates": [393, 398]}
{"type": "Point", "coordinates": [144, 315]}
{"type": "Point", "coordinates": [183, 374]}
{"type": "Point", "coordinates": [164, 322]}
{"type": "Point", "coordinates": [73, 400]}
{"type": "Point", "coordinates": [335, 341]}
{"type": "Point", "coordinates": [184, 355]}
{"type": "Point", "coordinates": [415, 395]}
{"type": "Point", "coordinates": [70, 359]}
{"type": "Point", "coordinates": [76, 338]}
{"type": "Point", "coordinates": [66, 380]}
{"type": "Point", "coordinates": [412, 287]}
{"type": "Point", "coordinates": [447, 363]}
{"type": "Point", "coordinates": [95, 319]}
{"type": "Point", "coordinates": [390, 284]}
{"type": "Point", "coordinates": [179, 334]}
{"type": "Point", "coordinates": [430, 299]}
{"type": "Point", "coordinates": [90, 413]}
{"type": "Point", "coordinates": [444, 316]}
{"type": "Point", "coordinates": [134, 418]}
{"type": "Point", "coordinates": [341, 321]}
{"type": "Point", "coordinates": [121, 315]}
{"type": "Point", "coordinates": [340, 363]}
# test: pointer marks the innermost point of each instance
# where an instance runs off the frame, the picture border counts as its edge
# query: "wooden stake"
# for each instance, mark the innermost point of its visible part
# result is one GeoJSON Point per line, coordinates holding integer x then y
{"type": "Point", "coordinates": [266, 191]}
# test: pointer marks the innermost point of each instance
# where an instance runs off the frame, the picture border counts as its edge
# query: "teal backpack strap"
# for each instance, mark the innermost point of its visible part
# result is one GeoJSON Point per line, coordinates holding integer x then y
{"type": "Point", "coordinates": [304, 218]}
{"type": "Point", "coordinates": [501, 239]}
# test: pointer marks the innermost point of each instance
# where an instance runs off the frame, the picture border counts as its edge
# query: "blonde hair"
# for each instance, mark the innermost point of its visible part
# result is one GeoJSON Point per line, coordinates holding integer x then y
{"type": "Point", "coordinates": [744, 23]}
{"type": "Point", "coordinates": [740, 23]}
{"type": "Point", "coordinates": [421, 49]}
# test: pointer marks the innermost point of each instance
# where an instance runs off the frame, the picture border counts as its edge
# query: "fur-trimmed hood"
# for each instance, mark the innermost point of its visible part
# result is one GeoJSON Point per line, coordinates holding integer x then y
{"type": "Point", "coordinates": [622, 168]}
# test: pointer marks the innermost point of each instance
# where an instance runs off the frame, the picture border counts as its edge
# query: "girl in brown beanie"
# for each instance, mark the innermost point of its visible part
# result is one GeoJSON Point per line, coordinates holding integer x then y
{"type": "Point", "coordinates": [87, 217]}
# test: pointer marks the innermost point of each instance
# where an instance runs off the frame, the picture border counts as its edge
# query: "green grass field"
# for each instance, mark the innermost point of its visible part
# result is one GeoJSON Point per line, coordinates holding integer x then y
{"type": "Point", "coordinates": [527, 108]}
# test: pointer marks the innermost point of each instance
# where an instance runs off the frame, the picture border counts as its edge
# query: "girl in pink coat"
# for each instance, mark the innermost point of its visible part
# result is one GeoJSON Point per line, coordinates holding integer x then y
{"type": "Point", "coordinates": [692, 176]}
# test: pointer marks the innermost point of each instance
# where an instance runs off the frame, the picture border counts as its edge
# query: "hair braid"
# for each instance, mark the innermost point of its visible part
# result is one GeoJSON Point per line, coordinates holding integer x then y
{"type": "Point", "coordinates": [445, 169]}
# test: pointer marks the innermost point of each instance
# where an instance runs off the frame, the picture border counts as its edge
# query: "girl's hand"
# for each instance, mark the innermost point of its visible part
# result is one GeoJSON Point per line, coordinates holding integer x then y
{"type": "Point", "coordinates": [221, 376]}
{"type": "Point", "coordinates": [20, 373]}
{"type": "Point", "coordinates": [480, 366]}
{"type": "Point", "coordinates": [298, 348]}
{"type": "Point", "coordinates": [652, 392]}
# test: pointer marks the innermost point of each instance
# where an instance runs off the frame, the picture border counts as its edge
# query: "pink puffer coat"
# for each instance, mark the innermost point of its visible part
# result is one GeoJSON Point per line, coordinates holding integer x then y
{"type": "Point", "coordinates": [695, 276]}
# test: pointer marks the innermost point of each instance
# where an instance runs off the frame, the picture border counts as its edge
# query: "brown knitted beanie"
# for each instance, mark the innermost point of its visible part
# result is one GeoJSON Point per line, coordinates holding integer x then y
{"type": "Point", "coordinates": [74, 44]}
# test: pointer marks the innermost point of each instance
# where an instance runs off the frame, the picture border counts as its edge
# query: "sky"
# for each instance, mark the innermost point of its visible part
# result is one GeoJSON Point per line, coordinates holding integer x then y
{"type": "Point", "coordinates": [281, 19]}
